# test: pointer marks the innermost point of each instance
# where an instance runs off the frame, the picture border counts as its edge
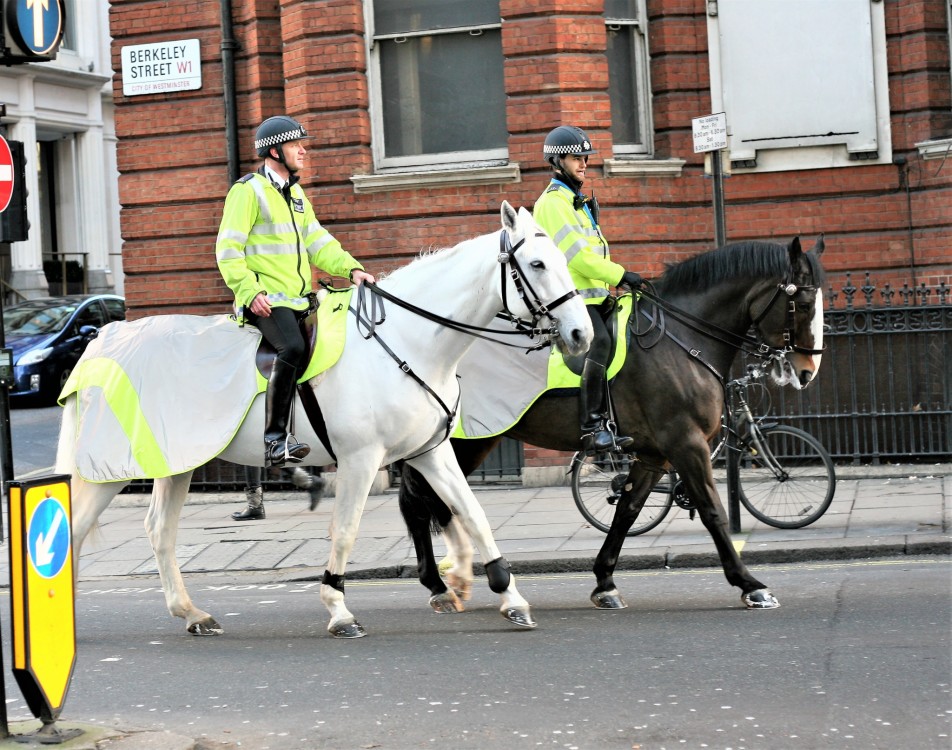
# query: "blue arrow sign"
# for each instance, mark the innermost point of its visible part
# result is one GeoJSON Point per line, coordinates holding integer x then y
{"type": "Point", "coordinates": [39, 23]}
{"type": "Point", "coordinates": [48, 538]}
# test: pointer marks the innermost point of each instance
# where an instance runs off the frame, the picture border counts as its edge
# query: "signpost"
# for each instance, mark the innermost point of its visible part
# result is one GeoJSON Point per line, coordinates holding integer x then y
{"type": "Point", "coordinates": [161, 67]}
{"type": "Point", "coordinates": [42, 598]}
{"type": "Point", "coordinates": [710, 135]}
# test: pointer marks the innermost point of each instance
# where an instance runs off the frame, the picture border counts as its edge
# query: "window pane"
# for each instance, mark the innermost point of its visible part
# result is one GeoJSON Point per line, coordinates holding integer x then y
{"type": "Point", "coordinates": [627, 9]}
{"type": "Point", "coordinates": [396, 16]}
{"type": "Point", "coordinates": [443, 93]}
{"type": "Point", "coordinates": [623, 85]}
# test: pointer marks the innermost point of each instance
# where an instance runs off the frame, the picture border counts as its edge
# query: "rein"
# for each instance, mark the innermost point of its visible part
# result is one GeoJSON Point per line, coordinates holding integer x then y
{"type": "Point", "coordinates": [507, 256]}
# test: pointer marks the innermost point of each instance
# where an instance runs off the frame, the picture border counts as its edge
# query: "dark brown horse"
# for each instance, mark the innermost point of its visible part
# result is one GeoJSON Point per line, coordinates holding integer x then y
{"type": "Point", "coordinates": [669, 396]}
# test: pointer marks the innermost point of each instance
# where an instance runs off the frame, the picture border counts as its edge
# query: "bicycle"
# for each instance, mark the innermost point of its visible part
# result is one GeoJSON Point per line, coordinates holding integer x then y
{"type": "Point", "coordinates": [785, 477]}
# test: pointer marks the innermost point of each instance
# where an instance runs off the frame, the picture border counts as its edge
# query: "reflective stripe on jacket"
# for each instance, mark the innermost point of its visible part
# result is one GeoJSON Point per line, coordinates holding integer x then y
{"type": "Point", "coordinates": [265, 246]}
{"type": "Point", "coordinates": [581, 239]}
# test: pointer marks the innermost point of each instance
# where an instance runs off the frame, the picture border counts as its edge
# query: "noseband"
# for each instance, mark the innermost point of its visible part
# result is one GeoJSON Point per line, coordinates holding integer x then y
{"type": "Point", "coordinates": [790, 289]}
{"type": "Point", "coordinates": [537, 308]}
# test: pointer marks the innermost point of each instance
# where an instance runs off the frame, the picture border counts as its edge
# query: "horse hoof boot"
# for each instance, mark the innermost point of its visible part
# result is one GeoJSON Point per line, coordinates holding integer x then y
{"type": "Point", "coordinates": [446, 603]}
{"type": "Point", "coordinates": [760, 599]}
{"type": "Point", "coordinates": [520, 617]}
{"type": "Point", "coordinates": [208, 626]}
{"type": "Point", "coordinates": [352, 629]}
{"type": "Point", "coordinates": [608, 600]}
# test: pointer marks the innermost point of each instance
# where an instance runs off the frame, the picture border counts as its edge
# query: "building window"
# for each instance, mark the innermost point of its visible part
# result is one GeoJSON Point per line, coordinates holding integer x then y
{"type": "Point", "coordinates": [628, 83]}
{"type": "Point", "coordinates": [437, 83]}
{"type": "Point", "coordinates": [69, 27]}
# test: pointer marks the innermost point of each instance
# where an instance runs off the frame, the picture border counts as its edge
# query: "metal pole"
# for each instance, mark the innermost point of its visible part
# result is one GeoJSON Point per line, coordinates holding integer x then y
{"type": "Point", "coordinates": [733, 482]}
{"type": "Point", "coordinates": [720, 227]}
{"type": "Point", "coordinates": [6, 476]}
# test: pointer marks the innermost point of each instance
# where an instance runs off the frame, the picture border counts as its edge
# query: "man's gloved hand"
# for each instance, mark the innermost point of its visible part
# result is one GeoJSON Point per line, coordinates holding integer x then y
{"type": "Point", "coordinates": [631, 279]}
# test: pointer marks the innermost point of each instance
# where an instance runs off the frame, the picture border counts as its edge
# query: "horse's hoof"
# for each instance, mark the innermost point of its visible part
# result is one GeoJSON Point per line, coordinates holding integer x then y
{"type": "Point", "coordinates": [446, 602]}
{"type": "Point", "coordinates": [520, 617]}
{"type": "Point", "coordinates": [608, 600]}
{"type": "Point", "coordinates": [352, 629]}
{"type": "Point", "coordinates": [463, 588]}
{"type": "Point", "coordinates": [760, 599]}
{"type": "Point", "coordinates": [208, 626]}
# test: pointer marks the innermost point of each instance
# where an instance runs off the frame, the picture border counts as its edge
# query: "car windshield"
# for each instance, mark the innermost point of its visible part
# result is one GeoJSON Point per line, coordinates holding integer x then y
{"type": "Point", "coordinates": [28, 320]}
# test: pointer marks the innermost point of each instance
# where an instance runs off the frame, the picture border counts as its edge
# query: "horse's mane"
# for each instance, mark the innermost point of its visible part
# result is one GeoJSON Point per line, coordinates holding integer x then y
{"type": "Point", "coordinates": [425, 255]}
{"type": "Point", "coordinates": [755, 259]}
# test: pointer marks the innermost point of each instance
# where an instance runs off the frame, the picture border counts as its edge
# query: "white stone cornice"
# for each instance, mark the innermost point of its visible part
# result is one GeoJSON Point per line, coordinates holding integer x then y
{"type": "Point", "coordinates": [378, 183]}
{"type": "Point", "coordinates": [633, 167]}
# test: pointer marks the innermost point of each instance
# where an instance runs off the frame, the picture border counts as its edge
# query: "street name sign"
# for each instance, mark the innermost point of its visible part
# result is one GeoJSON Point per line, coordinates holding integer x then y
{"type": "Point", "coordinates": [161, 68]}
{"type": "Point", "coordinates": [42, 597]}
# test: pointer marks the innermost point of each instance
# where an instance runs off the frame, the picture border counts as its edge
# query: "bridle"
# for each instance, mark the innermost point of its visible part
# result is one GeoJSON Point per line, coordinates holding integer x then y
{"type": "Point", "coordinates": [367, 324]}
{"type": "Point", "coordinates": [537, 309]}
{"type": "Point", "coordinates": [789, 330]}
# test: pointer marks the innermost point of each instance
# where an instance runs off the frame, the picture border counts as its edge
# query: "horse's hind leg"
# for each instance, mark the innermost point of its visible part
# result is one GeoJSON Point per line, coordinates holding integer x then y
{"type": "Point", "coordinates": [88, 500]}
{"type": "Point", "coordinates": [161, 525]}
{"type": "Point", "coordinates": [637, 488]}
{"type": "Point", "coordinates": [442, 471]}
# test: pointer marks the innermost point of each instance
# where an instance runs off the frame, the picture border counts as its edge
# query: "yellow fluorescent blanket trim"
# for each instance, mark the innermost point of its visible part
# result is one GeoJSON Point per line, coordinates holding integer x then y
{"type": "Point", "coordinates": [122, 398]}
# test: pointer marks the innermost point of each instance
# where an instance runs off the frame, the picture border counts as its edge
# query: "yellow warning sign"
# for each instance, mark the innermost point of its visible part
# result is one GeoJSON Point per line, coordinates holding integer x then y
{"type": "Point", "coordinates": [41, 591]}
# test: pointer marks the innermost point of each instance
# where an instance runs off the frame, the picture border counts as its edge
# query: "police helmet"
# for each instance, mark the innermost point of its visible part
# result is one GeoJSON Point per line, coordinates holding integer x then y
{"type": "Point", "coordinates": [565, 139]}
{"type": "Point", "coordinates": [277, 130]}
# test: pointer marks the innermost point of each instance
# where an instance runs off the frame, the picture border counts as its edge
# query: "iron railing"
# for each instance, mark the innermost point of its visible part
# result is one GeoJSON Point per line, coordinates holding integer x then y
{"type": "Point", "coordinates": [884, 389]}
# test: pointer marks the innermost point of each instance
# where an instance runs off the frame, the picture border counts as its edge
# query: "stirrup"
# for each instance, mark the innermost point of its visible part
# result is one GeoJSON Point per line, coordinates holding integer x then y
{"type": "Point", "coordinates": [280, 452]}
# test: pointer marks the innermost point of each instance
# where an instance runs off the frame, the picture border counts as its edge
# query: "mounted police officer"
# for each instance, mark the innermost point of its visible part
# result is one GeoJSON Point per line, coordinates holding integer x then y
{"type": "Point", "coordinates": [268, 240]}
{"type": "Point", "coordinates": [571, 219]}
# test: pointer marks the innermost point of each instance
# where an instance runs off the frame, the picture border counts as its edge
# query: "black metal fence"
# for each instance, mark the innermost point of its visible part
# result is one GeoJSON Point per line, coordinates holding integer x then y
{"type": "Point", "coordinates": [884, 390]}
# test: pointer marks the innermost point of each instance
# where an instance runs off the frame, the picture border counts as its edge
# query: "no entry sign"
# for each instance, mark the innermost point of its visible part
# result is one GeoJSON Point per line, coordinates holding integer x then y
{"type": "Point", "coordinates": [6, 174]}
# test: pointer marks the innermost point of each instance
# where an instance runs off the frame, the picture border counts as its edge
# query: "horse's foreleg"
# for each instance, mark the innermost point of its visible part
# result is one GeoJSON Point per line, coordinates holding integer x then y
{"type": "Point", "coordinates": [698, 477]}
{"type": "Point", "coordinates": [637, 488]}
{"type": "Point", "coordinates": [459, 554]}
{"type": "Point", "coordinates": [161, 526]}
{"type": "Point", "coordinates": [354, 482]}
{"type": "Point", "coordinates": [442, 471]}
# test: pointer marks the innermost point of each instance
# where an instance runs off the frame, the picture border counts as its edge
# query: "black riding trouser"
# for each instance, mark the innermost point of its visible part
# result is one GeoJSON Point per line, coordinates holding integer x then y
{"type": "Point", "coordinates": [281, 330]}
{"type": "Point", "coordinates": [600, 350]}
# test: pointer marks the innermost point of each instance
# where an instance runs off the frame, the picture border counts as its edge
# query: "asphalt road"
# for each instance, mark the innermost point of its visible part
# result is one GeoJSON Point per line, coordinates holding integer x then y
{"type": "Point", "coordinates": [858, 656]}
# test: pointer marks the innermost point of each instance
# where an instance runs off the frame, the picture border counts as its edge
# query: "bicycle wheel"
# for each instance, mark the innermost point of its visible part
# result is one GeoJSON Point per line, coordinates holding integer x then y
{"type": "Point", "coordinates": [792, 483]}
{"type": "Point", "coordinates": [597, 483]}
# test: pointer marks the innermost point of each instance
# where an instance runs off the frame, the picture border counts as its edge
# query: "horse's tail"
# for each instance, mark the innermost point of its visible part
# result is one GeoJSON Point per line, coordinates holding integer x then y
{"type": "Point", "coordinates": [66, 447]}
{"type": "Point", "coordinates": [421, 508]}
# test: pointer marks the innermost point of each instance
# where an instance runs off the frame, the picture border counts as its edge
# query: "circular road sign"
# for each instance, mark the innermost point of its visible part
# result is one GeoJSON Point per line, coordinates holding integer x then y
{"type": "Point", "coordinates": [6, 174]}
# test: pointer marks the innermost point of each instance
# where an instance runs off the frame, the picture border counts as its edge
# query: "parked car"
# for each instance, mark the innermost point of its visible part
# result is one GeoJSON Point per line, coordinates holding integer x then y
{"type": "Point", "coordinates": [48, 336]}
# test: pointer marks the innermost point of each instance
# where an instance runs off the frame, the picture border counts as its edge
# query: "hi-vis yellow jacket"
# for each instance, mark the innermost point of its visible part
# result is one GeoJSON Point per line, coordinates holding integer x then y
{"type": "Point", "coordinates": [267, 243]}
{"type": "Point", "coordinates": [578, 236]}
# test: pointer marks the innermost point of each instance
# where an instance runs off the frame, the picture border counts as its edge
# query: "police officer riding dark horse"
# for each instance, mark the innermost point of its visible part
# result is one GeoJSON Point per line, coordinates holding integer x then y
{"type": "Point", "coordinates": [571, 219]}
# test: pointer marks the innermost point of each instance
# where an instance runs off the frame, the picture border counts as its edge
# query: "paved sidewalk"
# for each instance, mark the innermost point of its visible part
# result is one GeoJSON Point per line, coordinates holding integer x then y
{"type": "Point", "coordinates": [881, 511]}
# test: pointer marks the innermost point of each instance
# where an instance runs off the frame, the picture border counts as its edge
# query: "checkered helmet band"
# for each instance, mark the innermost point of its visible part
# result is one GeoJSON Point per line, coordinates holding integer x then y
{"type": "Point", "coordinates": [571, 148]}
{"type": "Point", "coordinates": [274, 140]}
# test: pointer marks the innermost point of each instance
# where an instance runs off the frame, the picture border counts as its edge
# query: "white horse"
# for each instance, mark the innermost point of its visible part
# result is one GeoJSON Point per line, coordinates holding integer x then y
{"type": "Point", "coordinates": [379, 414]}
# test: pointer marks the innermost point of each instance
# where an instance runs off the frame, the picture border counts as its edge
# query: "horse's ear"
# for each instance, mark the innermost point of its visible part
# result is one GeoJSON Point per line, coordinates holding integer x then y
{"type": "Point", "coordinates": [819, 247]}
{"type": "Point", "coordinates": [794, 250]}
{"type": "Point", "coordinates": [508, 215]}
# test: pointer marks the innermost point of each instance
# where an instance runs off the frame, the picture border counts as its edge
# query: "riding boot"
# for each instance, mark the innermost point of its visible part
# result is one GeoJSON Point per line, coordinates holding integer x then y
{"type": "Point", "coordinates": [279, 446]}
{"type": "Point", "coordinates": [595, 434]}
{"type": "Point", "coordinates": [255, 509]}
{"type": "Point", "coordinates": [313, 483]}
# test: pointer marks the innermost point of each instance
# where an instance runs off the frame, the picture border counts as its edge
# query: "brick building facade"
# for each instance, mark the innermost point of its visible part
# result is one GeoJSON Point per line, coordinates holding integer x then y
{"type": "Point", "coordinates": [884, 208]}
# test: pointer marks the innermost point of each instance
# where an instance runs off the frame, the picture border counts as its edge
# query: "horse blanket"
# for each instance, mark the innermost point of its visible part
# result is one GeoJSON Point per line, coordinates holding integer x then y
{"type": "Point", "coordinates": [500, 383]}
{"type": "Point", "coordinates": [205, 365]}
